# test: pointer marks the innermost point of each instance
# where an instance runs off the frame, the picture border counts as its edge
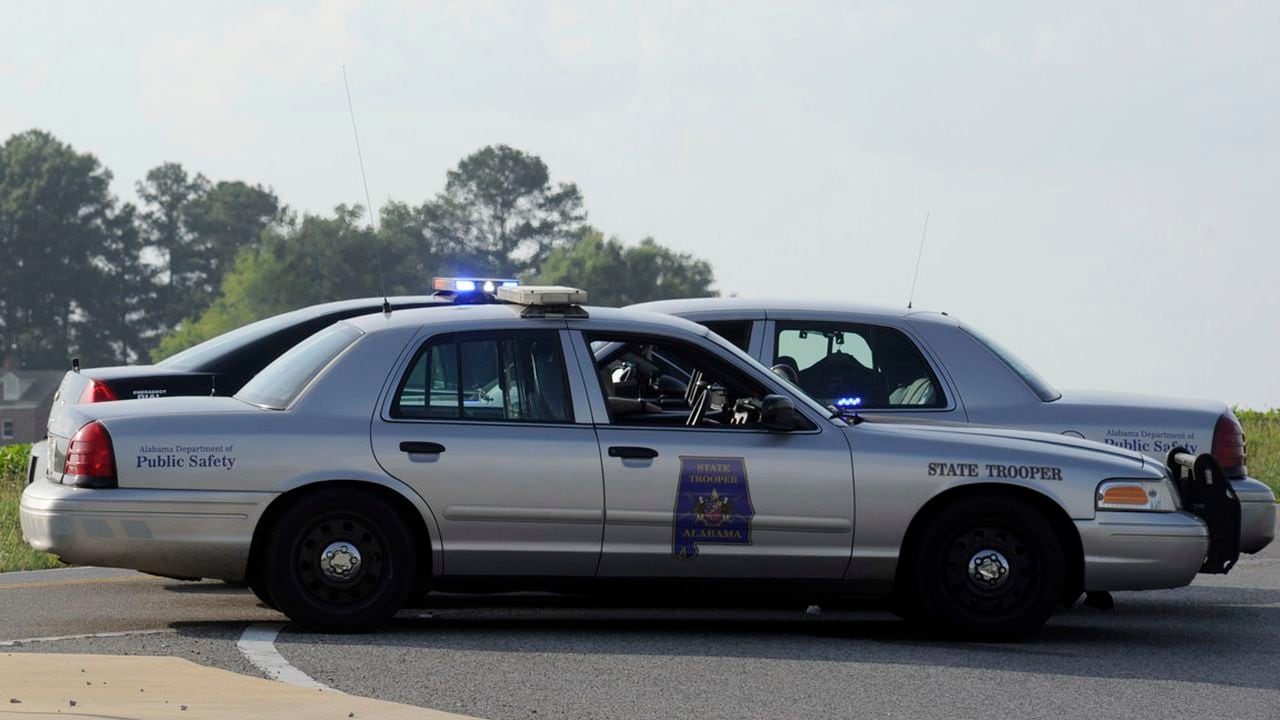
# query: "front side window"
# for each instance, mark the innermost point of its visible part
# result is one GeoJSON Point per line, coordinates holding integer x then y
{"type": "Point", "coordinates": [867, 367]}
{"type": "Point", "coordinates": [281, 381]}
{"type": "Point", "coordinates": [513, 377]}
{"type": "Point", "coordinates": [660, 382]}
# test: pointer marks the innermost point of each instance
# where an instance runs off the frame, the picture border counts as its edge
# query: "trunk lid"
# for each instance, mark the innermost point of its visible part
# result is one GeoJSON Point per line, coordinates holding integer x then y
{"type": "Point", "coordinates": [64, 422]}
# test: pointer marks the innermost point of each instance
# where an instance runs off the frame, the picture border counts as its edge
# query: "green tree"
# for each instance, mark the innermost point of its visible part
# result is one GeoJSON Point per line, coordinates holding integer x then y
{"type": "Point", "coordinates": [197, 227]}
{"type": "Point", "coordinates": [224, 218]}
{"type": "Point", "coordinates": [616, 274]}
{"type": "Point", "coordinates": [122, 321]}
{"type": "Point", "coordinates": [320, 259]}
{"type": "Point", "coordinates": [500, 214]}
{"type": "Point", "coordinates": [57, 215]}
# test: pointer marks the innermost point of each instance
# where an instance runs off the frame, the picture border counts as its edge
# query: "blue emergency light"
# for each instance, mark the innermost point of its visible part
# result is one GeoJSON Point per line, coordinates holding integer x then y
{"type": "Point", "coordinates": [469, 285]}
{"type": "Point", "coordinates": [848, 402]}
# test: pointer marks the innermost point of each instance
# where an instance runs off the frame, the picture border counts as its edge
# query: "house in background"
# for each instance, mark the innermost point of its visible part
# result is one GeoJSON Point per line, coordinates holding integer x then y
{"type": "Point", "coordinates": [26, 396]}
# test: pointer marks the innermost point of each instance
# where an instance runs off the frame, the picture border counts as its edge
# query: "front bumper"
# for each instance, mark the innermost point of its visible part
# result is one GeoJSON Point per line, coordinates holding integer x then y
{"type": "Point", "coordinates": [179, 533]}
{"type": "Point", "coordinates": [1142, 551]}
{"type": "Point", "coordinates": [1257, 514]}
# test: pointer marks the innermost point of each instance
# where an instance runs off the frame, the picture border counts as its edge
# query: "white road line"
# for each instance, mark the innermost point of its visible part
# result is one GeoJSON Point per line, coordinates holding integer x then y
{"type": "Point", "coordinates": [258, 645]}
{"type": "Point", "coordinates": [86, 636]}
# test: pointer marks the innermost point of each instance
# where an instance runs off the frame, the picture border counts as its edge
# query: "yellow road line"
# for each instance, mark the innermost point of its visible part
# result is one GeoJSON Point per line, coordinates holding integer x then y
{"type": "Point", "coordinates": [77, 581]}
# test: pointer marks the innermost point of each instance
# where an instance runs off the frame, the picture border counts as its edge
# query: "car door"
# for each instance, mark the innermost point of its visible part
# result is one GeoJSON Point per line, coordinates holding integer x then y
{"type": "Point", "coordinates": [488, 428]}
{"type": "Point", "coordinates": [865, 367]}
{"type": "Point", "coordinates": [710, 499]}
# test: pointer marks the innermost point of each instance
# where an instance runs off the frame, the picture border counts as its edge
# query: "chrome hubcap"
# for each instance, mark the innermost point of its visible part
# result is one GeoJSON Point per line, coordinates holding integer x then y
{"type": "Point", "coordinates": [340, 560]}
{"type": "Point", "coordinates": [989, 568]}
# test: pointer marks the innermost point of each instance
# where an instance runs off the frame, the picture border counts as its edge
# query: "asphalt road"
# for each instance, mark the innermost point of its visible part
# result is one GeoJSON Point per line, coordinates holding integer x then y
{"type": "Point", "coordinates": [1208, 651]}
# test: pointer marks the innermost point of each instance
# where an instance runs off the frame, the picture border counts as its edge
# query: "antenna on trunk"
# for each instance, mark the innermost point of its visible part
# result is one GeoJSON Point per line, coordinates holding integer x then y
{"type": "Point", "coordinates": [373, 224]}
{"type": "Point", "coordinates": [919, 255]}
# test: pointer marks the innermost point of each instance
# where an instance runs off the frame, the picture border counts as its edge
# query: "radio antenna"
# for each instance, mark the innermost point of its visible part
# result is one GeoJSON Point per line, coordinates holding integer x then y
{"type": "Point", "coordinates": [368, 200]}
{"type": "Point", "coordinates": [919, 255]}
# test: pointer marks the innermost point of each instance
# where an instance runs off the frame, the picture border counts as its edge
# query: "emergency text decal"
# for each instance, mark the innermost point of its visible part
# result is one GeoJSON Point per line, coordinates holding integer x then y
{"type": "Point", "coordinates": [713, 505]}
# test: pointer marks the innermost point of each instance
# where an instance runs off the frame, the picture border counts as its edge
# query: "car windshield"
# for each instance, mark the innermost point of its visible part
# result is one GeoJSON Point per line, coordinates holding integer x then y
{"type": "Point", "coordinates": [281, 381]}
{"type": "Point", "coordinates": [1038, 385]}
{"type": "Point", "coordinates": [199, 357]}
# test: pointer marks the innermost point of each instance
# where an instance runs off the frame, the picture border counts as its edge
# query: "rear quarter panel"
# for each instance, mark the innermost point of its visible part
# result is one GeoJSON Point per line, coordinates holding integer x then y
{"type": "Point", "coordinates": [224, 444]}
{"type": "Point", "coordinates": [228, 444]}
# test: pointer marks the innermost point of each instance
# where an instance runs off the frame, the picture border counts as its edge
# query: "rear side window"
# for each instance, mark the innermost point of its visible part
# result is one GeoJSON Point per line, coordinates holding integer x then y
{"type": "Point", "coordinates": [512, 377]}
{"type": "Point", "coordinates": [280, 382]}
{"type": "Point", "coordinates": [737, 332]}
{"type": "Point", "coordinates": [867, 367]}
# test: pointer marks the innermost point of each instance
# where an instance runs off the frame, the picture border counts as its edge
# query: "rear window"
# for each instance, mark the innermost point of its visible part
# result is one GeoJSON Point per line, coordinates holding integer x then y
{"type": "Point", "coordinates": [281, 381]}
{"type": "Point", "coordinates": [1038, 385]}
{"type": "Point", "coordinates": [200, 357]}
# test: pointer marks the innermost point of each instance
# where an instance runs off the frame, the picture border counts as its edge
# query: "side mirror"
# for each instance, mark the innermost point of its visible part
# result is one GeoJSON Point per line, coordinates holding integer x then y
{"type": "Point", "coordinates": [779, 414]}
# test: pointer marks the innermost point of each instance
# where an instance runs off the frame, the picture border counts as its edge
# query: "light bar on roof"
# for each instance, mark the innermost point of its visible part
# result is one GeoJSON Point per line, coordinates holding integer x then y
{"type": "Point", "coordinates": [542, 295]}
{"type": "Point", "coordinates": [473, 284]}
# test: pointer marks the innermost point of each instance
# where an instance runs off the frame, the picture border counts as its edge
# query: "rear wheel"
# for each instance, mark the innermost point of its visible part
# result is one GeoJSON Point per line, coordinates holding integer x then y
{"type": "Point", "coordinates": [339, 561]}
{"type": "Point", "coordinates": [988, 569]}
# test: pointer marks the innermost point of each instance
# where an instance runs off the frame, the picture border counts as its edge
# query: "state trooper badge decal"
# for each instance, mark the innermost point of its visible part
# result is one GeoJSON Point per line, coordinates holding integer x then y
{"type": "Point", "coordinates": [713, 505]}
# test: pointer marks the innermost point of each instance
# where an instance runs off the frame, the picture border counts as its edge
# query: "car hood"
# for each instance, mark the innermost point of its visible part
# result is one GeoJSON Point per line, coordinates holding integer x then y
{"type": "Point", "coordinates": [1048, 441]}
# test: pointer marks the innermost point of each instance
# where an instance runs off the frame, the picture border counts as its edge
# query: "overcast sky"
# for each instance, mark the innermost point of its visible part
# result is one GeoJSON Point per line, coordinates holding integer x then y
{"type": "Point", "coordinates": [1102, 179]}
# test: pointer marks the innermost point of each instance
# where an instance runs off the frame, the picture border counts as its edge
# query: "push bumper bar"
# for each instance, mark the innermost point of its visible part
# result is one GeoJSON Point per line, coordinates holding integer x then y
{"type": "Point", "coordinates": [1207, 492]}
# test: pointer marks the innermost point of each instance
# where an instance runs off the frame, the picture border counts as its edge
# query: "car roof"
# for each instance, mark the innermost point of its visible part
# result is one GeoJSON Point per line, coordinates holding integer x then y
{"type": "Point", "coordinates": [635, 320]}
{"type": "Point", "coordinates": [759, 308]}
{"type": "Point", "coordinates": [211, 353]}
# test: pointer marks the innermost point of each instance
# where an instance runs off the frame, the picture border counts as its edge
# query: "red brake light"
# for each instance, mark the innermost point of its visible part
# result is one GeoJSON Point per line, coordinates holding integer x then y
{"type": "Point", "coordinates": [90, 460]}
{"type": "Point", "coordinates": [97, 391]}
{"type": "Point", "coordinates": [1228, 445]}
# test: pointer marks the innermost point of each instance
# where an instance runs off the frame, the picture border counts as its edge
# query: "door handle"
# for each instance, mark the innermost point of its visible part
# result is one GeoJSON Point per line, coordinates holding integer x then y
{"type": "Point", "coordinates": [634, 453]}
{"type": "Point", "coordinates": [421, 448]}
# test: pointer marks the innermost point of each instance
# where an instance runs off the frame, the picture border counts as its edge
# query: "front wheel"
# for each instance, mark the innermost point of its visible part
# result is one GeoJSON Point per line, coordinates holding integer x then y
{"type": "Point", "coordinates": [339, 561]}
{"type": "Point", "coordinates": [988, 570]}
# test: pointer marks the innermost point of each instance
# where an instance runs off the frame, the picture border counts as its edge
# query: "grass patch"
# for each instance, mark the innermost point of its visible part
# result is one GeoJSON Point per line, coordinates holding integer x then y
{"type": "Point", "coordinates": [14, 553]}
{"type": "Point", "coordinates": [1262, 437]}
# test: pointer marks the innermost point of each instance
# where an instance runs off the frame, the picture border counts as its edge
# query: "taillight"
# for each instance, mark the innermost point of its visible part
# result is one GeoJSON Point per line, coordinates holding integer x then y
{"type": "Point", "coordinates": [1228, 445]}
{"type": "Point", "coordinates": [90, 460]}
{"type": "Point", "coordinates": [97, 391]}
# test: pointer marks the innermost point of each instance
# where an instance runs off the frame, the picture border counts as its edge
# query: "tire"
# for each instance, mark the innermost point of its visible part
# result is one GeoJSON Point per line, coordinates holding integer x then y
{"type": "Point", "coordinates": [368, 572]}
{"type": "Point", "coordinates": [989, 570]}
{"type": "Point", "coordinates": [259, 589]}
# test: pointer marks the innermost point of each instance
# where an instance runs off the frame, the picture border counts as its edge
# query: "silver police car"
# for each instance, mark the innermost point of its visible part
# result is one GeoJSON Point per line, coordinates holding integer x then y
{"type": "Point", "coordinates": [931, 367]}
{"type": "Point", "coordinates": [538, 443]}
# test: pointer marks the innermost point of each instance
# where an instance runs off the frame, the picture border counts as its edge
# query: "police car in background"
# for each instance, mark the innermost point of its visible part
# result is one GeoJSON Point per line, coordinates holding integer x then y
{"type": "Point", "coordinates": [218, 366]}
{"type": "Point", "coordinates": [534, 443]}
{"type": "Point", "coordinates": [929, 366]}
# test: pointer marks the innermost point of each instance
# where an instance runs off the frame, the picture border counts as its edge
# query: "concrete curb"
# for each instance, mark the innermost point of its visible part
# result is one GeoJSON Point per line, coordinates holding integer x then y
{"type": "Point", "coordinates": [142, 688]}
